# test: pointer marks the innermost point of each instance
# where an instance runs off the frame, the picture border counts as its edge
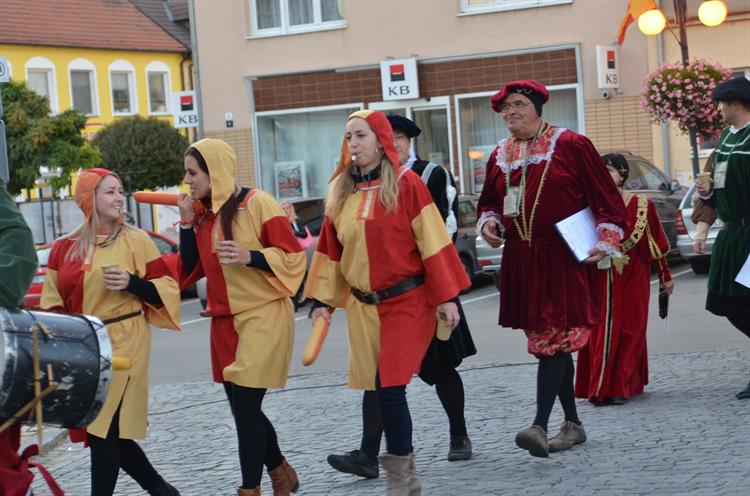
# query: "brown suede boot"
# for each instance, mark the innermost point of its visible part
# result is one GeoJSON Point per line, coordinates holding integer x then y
{"type": "Point", "coordinates": [284, 479]}
{"type": "Point", "coordinates": [241, 491]}
{"type": "Point", "coordinates": [402, 477]}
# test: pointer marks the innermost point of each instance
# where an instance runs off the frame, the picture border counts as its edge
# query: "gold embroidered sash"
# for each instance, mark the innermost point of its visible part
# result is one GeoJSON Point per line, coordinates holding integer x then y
{"type": "Point", "coordinates": [641, 223]}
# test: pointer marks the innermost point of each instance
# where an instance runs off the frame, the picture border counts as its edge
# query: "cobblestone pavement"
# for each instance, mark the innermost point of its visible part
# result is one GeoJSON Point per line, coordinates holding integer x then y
{"type": "Point", "coordinates": [686, 435]}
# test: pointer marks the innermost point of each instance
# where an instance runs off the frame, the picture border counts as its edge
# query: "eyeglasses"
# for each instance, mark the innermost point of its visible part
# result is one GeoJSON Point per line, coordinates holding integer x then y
{"type": "Point", "coordinates": [517, 105]}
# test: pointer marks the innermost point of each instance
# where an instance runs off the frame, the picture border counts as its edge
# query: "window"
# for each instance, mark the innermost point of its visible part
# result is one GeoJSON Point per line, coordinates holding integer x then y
{"type": "Point", "coordinates": [158, 82]}
{"type": "Point", "coordinates": [122, 83]}
{"type": "Point", "coordinates": [642, 175]}
{"type": "Point", "coordinates": [480, 128]}
{"type": "Point", "coordinates": [470, 7]}
{"type": "Point", "coordinates": [40, 77]}
{"type": "Point", "coordinates": [302, 144]}
{"type": "Point", "coordinates": [279, 17]}
{"type": "Point", "coordinates": [83, 91]}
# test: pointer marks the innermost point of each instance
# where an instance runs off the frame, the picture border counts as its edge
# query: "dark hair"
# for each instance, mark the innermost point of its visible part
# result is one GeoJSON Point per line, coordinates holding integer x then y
{"type": "Point", "coordinates": [619, 163]}
{"type": "Point", "coordinates": [229, 210]}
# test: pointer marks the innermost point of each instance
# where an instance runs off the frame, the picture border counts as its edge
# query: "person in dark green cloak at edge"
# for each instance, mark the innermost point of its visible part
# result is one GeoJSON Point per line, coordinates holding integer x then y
{"type": "Point", "coordinates": [729, 194]}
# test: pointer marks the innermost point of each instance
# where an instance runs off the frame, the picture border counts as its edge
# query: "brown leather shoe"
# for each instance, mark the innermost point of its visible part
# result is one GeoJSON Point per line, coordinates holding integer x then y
{"type": "Point", "coordinates": [241, 491]}
{"type": "Point", "coordinates": [534, 440]}
{"type": "Point", "coordinates": [284, 479]}
{"type": "Point", "coordinates": [570, 434]}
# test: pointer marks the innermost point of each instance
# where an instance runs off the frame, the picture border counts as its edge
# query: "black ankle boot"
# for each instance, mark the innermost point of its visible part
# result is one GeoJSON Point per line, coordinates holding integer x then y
{"type": "Point", "coordinates": [355, 462]}
{"type": "Point", "coordinates": [744, 394]}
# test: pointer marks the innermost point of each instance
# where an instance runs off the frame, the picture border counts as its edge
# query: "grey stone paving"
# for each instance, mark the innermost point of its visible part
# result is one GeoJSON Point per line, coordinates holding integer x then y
{"type": "Point", "coordinates": [686, 435]}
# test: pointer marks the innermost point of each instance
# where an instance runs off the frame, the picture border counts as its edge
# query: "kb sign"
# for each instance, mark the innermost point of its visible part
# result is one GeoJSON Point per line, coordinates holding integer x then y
{"type": "Point", "coordinates": [185, 109]}
{"type": "Point", "coordinates": [399, 79]}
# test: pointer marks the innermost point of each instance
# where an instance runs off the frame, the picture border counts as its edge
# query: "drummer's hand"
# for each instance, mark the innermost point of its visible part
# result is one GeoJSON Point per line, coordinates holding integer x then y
{"type": "Point", "coordinates": [491, 234]}
{"type": "Point", "coordinates": [321, 312]}
{"type": "Point", "coordinates": [231, 253]}
{"type": "Point", "coordinates": [448, 312]}
{"type": "Point", "coordinates": [116, 279]}
{"type": "Point", "coordinates": [595, 255]}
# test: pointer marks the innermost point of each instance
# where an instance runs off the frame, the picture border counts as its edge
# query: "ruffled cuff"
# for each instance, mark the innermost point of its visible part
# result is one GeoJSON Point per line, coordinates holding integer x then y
{"type": "Point", "coordinates": [486, 217]}
{"type": "Point", "coordinates": [610, 236]}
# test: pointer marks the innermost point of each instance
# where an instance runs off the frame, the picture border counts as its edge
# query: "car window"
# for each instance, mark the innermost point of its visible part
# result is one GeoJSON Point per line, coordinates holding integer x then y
{"type": "Point", "coordinates": [645, 176]}
{"type": "Point", "coordinates": [310, 212]}
{"type": "Point", "coordinates": [467, 213]}
{"type": "Point", "coordinates": [161, 245]}
{"type": "Point", "coordinates": [43, 256]}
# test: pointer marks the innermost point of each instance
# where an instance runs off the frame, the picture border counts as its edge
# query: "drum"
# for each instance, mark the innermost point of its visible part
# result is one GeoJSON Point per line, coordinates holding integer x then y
{"type": "Point", "coordinates": [79, 352]}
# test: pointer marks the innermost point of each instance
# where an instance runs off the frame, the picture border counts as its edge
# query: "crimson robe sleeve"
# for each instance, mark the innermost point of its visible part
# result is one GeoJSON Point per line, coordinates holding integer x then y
{"type": "Point", "coordinates": [490, 204]}
{"type": "Point", "coordinates": [658, 243]}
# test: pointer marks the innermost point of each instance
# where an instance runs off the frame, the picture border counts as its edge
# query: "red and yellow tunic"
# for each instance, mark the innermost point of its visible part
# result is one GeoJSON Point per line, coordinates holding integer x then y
{"type": "Point", "coordinates": [71, 287]}
{"type": "Point", "coordinates": [615, 360]}
{"type": "Point", "coordinates": [370, 249]}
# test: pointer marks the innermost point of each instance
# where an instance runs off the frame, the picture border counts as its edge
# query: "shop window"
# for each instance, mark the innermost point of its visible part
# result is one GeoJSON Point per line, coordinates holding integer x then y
{"type": "Point", "coordinates": [299, 150]}
{"type": "Point", "coordinates": [157, 80]}
{"type": "Point", "coordinates": [469, 7]}
{"type": "Point", "coordinates": [280, 17]}
{"type": "Point", "coordinates": [83, 90]}
{"type": "Point", "coordinates": [480, 128]}
{"type": "Point", "coordinates": [40, 77]}
{"type": "Point", "coordinates": [122, 83]}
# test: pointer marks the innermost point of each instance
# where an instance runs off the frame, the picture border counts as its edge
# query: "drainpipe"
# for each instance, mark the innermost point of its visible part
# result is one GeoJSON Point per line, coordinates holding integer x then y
{"type": "Point", "coordinates": [196, 70]}
{"type": "Point", "coordinates": [666, 155]}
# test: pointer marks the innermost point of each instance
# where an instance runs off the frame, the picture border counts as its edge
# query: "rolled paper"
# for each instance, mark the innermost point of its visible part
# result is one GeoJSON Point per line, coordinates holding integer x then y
{"type": "Point", "coordinates": [315, 341]}
{"type": "Point", "coordinates": [156, 197]}
{"type": "Point", "coordinates": [121, 363]}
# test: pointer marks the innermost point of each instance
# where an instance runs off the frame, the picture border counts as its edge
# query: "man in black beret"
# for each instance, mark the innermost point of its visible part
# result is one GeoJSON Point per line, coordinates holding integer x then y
{"type": "Point", "coordinates": [729, 194]}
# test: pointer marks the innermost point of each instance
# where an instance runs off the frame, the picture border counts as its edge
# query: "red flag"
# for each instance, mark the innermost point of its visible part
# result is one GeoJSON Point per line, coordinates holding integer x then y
{"type": "Point", "coordinates": [635, 9]}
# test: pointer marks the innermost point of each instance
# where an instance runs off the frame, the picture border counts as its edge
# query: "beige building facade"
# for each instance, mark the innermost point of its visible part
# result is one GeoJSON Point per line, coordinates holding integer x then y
{"type": "Point", "coordinates": [290, 72]}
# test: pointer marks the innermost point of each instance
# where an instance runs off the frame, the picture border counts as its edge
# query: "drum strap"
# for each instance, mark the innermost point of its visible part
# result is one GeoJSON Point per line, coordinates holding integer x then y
{"type": "Point", "coordinates": [121, 318]}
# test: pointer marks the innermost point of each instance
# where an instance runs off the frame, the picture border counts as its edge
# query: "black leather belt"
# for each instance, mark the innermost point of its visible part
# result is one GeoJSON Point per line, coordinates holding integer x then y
{"type": "Point", "coordinates": [737, 224]}
{"type": "Point", "coordinates": [121, 318]}
{"type": "Point", "coordinates": [376, 297]}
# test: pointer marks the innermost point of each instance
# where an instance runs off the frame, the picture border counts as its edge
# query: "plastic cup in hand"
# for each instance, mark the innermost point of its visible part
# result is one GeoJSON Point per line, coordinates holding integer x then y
{"type": "Point", "coordinates": [444, 329]}
{"type": "Point", "coordinates": [703, 178]}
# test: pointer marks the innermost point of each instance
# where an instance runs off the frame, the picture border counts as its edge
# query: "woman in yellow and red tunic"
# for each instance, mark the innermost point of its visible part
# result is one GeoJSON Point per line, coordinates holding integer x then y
{"type": "Point", "coordinates": [139, 291]}
{"type": "Point", "coordinates": [384, 254]}
{"type": "Point", "coordinates": [613, 366]}
{"type": "Point", "coordinates": [241, 241]}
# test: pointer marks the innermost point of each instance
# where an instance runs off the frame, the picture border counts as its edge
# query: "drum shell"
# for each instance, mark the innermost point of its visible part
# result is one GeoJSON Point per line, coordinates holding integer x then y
{"type": "Point", "coordinates": [79, 353]}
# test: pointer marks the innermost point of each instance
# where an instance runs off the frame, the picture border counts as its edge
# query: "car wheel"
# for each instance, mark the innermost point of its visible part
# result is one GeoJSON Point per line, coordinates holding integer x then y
{"type": "Point", "coordinates": [699, 265]}
{"type": "Point", "coordinates": [469, 270]}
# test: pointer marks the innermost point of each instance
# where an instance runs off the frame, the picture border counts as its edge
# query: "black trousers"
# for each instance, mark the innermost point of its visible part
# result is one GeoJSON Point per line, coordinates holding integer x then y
{"type": "Point", "coordinates": [112, 453]}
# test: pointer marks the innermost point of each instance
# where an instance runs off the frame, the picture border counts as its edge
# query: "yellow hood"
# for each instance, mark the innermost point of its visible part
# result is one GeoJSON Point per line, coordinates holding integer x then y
{"type": "Point", "coordinates": [221, 162]}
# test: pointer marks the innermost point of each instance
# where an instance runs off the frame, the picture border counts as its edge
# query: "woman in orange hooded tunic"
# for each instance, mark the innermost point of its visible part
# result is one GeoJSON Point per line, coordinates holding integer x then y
{"type": "Point", "coordinates": [241, 241]}
{"type": "Point", "coordinates": [138, 291]}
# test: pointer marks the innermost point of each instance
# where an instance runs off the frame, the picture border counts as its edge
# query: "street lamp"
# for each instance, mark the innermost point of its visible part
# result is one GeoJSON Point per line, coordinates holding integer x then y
{"type": "Point", "coordinates": [652, 22]}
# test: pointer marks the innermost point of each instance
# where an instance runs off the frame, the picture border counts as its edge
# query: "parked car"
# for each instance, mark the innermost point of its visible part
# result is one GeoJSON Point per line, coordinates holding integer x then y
{"type": "Point", "coordinates": [476, 255]}
{"type": "Point", "coordinates": [645, 178]}
{"type": "Point", "coordinates": [686, 234]}
{"type": "Point", "coordinates": [167, 248]}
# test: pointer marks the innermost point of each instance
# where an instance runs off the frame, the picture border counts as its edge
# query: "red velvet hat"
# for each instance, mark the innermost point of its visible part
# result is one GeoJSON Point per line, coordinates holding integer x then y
{"type": "Point", "coordinates": [525, 88]}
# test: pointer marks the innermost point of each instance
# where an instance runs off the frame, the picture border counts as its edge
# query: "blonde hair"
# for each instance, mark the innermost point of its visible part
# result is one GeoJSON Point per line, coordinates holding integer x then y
{"type": "Point", "coordinates": [343, 185]}
{"type": "Point", "coordinates": [288, 209]}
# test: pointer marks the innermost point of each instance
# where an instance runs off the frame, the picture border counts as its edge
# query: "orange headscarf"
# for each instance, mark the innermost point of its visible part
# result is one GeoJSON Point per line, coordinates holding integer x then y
{"type": "Point", "coordinates": [378, 122]}
{"type": "Point", "coordinates": [88, 180]}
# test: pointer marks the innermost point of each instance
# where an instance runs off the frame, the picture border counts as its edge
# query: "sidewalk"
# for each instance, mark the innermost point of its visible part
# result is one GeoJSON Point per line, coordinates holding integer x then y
{"type": "Point", "coordinates": [686, 435]}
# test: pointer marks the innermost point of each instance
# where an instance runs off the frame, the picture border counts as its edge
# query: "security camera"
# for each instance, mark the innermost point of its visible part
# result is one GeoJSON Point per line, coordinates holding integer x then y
{"type": "Point", "coordinates": [606, 94]}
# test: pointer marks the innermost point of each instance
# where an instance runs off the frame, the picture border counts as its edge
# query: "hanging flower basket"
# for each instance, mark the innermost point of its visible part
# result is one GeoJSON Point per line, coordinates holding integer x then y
{"type": "Point", "coordinates": [672, 92]}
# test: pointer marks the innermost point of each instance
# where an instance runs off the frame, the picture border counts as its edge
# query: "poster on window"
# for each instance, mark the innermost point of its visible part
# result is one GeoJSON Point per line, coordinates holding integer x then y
{"type": "Point", "coordinates": [290, 180]}
{"type": "Point", "coordinates": [478, 156]}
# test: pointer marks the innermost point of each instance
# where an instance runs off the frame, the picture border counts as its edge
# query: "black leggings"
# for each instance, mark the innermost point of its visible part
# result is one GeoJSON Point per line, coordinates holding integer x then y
{"type": "Point", "coordinates": [108, 455]}
{"type": "Point", "coordinates": [394, 413]}
{"type": "Point", "coordinates": [450, 390]}
{"type": "Point", "coordinates": [256, 437]}
{"type": "Point", "coordinates": [555, 380]}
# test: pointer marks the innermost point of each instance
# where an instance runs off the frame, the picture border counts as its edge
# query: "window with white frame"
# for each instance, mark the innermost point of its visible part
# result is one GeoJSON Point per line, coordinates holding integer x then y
{"type": "Point", "coordinates": [298, 150]}
{"type": "Point", "coordinates": [83, 90]}
{"type": "Point", "coordinates": [485, 6]}
{"type": "Point", "coordinates": [480, 128]}
{"type": "Point", "coordinates": [122, 84]}
{"type": "Point", "coordinates": [158, 85]}
{"type": "Point", "coordinates": [40, 77]}
{"type": "Point", "coordinates": [279, 17]}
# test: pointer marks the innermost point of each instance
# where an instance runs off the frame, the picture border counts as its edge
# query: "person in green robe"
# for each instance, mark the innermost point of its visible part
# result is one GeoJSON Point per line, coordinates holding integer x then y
{"type": "Point", "coordinates": [17, 253]}
{"type": "Point", "coordinates": [729, 193]}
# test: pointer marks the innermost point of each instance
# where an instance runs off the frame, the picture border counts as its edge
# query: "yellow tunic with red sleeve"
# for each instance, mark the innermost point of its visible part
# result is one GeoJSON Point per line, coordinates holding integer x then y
{"type": "Point", "coordinates": [370, 249]}
{"type": "Point", "coordinates": [252, 326]}
{"type": "Point", "coordinates": [75, 287]}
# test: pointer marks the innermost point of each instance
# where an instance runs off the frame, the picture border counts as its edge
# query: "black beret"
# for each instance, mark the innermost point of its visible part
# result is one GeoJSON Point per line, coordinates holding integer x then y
{"type": "Point", "coordinates": [733, 89]}
{"type": "Point", "coordinates": [406, 126]}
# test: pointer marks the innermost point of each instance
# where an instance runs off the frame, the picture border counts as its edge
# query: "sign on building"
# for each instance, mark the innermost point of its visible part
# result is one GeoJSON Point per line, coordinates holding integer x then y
{"type": "Point", "coordinates": [4, 70]}
{"type": "Point", "coordinates": [608, 66]}
{"type": "Point", "coordinates": [399, 79]}
{"type": "Point", "coordinates": [185, 109]}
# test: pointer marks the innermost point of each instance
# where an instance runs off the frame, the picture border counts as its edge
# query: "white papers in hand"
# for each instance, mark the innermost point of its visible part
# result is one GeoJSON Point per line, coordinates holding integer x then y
{"type": "Point", "coordinates": [579, 232]}
{"type": "Point", "coordinates": [743, 276]}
